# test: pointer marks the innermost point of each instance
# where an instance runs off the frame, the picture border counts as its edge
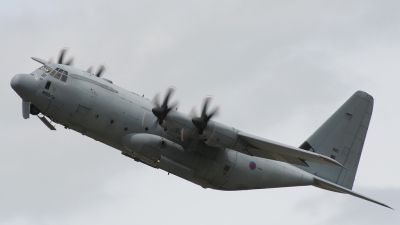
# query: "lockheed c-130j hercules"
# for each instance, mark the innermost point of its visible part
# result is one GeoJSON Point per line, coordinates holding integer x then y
{"type": "Point", "coordinates": [194, 147]}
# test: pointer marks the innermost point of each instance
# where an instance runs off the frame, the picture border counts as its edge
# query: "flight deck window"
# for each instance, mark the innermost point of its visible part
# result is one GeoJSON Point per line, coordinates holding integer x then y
{"type": "Point", "coordinates": [58, 75]}
{"type": "Point", "coordinates": [64, 78]}
{"type": "Point", "coordinates": [46, 69]}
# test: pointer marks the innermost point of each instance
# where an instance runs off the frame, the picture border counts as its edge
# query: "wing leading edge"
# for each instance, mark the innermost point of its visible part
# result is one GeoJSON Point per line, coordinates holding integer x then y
{"type": "Point", "coordinates": [268, 149]}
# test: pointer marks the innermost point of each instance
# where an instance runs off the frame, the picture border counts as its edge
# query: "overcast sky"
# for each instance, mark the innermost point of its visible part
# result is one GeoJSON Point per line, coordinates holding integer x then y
{"type": "Point", "coordinates": [278, 69]}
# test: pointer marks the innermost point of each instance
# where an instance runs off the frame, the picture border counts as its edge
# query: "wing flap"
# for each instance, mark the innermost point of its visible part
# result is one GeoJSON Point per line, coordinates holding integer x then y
{"type": "Point", "coordinates": [265, 148]}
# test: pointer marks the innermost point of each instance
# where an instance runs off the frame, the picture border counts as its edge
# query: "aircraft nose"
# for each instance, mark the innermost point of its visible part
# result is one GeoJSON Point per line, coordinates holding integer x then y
{"type": "Point", "coordinates": [25, 85]}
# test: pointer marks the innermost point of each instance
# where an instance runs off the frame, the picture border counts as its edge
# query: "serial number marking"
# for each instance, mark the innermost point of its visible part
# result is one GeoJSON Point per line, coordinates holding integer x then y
{"type": "Point", "coordinates": [46, 93]}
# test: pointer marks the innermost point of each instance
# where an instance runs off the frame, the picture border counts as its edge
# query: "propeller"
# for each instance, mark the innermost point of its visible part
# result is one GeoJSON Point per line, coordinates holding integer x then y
{"type": "Point", "coordinates": [202, 121]}
{"type": "Point", "coordinates": [161, 110]}
{"type": "Point", "coordinates": [61, 58]}
{"type": "Point", "coordinates": [99, 71]}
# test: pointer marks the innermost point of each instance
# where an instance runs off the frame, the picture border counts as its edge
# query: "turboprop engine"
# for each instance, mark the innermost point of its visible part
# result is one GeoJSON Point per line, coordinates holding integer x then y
{"type": "Point", "coordinates": [219, 135]}
{"type": "Point", "coordinates": [179, 125]}
{"type": "Point", "coordinates": [186, 126]}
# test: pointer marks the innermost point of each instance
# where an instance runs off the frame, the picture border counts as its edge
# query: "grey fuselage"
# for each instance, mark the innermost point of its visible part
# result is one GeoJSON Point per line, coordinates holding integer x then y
{"type": "Point", "coordinates": [107, 113]}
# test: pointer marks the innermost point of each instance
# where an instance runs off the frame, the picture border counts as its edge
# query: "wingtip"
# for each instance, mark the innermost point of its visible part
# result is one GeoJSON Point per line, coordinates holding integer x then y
{"type": "Point", "coordinates": [44, 62]}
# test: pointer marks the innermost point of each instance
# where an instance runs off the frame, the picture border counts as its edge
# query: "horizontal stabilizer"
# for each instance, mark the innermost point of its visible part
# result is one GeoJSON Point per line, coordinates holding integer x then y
{"type": "Point", "coordinates": [324, 184]}
{"type": "Point", "coordinates": [268, 149]}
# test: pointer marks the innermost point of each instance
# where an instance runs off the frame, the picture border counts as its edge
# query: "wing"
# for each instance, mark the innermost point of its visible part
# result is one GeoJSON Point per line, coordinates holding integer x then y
{"type": "Point", "coordinates": [44, 62]}
{"type": "Point", "coordinates": [265, 148]}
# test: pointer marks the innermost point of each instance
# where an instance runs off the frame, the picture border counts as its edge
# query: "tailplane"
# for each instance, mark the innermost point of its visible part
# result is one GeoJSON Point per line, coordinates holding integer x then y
{"type": "Point", "coordinates": [342, 138]}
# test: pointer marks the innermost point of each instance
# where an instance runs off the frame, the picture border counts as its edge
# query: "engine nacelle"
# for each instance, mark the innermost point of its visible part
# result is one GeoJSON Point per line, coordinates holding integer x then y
{"type": "Point", "coordinates": [223, 136]}
{"type": "Point", "coordinates": [178, 124]}
{"type": "Point", "coordinates": [215, 134]}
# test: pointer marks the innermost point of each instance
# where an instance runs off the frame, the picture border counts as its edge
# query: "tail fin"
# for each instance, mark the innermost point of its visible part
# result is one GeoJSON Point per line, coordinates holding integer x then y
{"type": "Point", "coordinates": [342, 138]}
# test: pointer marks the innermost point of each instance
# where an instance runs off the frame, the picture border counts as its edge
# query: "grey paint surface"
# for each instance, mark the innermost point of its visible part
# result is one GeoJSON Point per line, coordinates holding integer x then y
{"type": "Point", "coordinates": [151, 143]}
{"type": "Point", "coordinates": [320, 53]}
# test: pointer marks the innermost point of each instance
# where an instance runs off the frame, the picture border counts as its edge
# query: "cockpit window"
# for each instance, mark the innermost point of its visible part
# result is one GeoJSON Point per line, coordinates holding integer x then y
{"type": "Point", "coordinates": [46, 69]}
{"type": "Point", "coordinates": [60, 74]}
{"type": "Point", "coordinates": [57, 76]}
{"type": "Point", "coordinates": [39, 75]}
{"type": "Point", "coordinates": [64, 78]}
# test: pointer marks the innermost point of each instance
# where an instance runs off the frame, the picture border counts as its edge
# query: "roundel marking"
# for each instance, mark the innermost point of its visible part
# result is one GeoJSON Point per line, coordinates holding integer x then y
{"type": "Point", "coordinates": [252, 165]}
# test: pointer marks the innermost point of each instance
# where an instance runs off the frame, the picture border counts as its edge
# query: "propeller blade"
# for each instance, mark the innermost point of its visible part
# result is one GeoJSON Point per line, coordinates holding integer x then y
{"type": "Point", "coordinates": [69, 62]}
{"type": "Point", "coordinates": [155, 99]}
{"type": "Point", "coordinates": [206, 101]}
{"type": "Point", "coordinates": [213, 113]}
{"type": "Point", "coordinates": [25, 109]}
{"type": "Point", "coordinates": [61, 57]}
{"type": "Point", "coordinates": [170, 91]}
{"type": "Point", "coordinates": [174, 105]}
{"type": "Point", "coordinates": [161, 111]}
{"type": "Point", "coordinates": [193, 111]}
{"type": "Point", "coordinates": [202, 121]}
{"type": "Point", "coordinates": [89, 70]}
{"type": "Point", "coordinates": [100, 71]}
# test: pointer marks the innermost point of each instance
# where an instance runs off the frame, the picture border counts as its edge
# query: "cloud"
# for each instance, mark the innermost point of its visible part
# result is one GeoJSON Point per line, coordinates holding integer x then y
{"type": "Point", "coordinates": [278, 69]}
{"type": "Point", "coordinates": [349, 210]}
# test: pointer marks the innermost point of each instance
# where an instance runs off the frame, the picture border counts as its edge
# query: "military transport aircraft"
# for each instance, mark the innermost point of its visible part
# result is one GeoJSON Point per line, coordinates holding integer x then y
{"type": "Point", "coordinates": [194, 147]}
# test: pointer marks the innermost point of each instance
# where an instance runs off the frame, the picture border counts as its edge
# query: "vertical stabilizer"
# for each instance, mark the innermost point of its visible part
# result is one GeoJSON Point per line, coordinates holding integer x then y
{"type": "Point", "coordinates": [342, 138]}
